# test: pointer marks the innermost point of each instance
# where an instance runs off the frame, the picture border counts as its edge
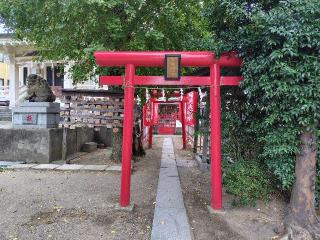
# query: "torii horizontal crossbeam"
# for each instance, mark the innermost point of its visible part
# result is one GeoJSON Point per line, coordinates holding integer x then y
{"type": "Point", "coordinates": [156, 59]}
{"type": "Point", "coordinates": [160, 81]}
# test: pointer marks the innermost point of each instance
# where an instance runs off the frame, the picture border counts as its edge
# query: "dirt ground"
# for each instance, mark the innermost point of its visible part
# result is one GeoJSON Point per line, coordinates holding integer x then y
{"type": "Point", "coordinates": [37, 205]}
{"type": "Point", "coordinates": [72, 205]}
{"type": "Point", "coordinates": [255, 223]}
{"type": "Point", "coordinates": [100, 156]}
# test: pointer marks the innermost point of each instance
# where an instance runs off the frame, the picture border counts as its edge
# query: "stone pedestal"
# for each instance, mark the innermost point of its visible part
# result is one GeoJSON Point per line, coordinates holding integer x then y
{"type": "Point", "coordinates": [36, 115]}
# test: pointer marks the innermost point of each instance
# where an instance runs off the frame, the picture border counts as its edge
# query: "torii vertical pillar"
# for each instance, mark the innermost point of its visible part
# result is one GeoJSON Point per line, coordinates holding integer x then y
{"type": "Point", "coordinates": [183, 125]}
{"type": "Point", "coordinates": [215, 138]}
{"type": "Point", "coordinates": [127, 135]}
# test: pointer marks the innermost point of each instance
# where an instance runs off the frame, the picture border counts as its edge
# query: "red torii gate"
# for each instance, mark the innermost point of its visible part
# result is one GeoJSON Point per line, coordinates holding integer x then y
{"type": "Point", "coordinates": [186, 106]}
{"type": "Point", "coordinates": [131, 60]}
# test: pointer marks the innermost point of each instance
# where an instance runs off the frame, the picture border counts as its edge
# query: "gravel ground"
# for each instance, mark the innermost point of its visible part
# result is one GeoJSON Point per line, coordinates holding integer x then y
{"type": "Point", "coordinates": [72, 205]}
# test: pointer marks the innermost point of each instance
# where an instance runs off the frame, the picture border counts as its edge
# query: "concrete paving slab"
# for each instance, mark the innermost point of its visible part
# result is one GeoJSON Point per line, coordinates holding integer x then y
{"type": "Point", "coordinates": [170, 218]}
{"type": "Point", "coordinates": [114, 168]}
{"type": "Point", "coordinates": [168, 156]}
{"type": "Point", "coordinates": [170, 197]}
{"type": "Point", "coordinates": [168, 163]}
{"type": "Point", "coordinates": [22, 166]}
{"type": "Point", "coordinates": [69, 167]}
{"type": "Point", "coordinates": [168, 172]}
{"type": "Point", "coordinates": [170, 224]}
{"type": "Point", "coordinates": [94, 167]}
{"type": "Point", "coordinates": [46, 166]}
{"type": "Point", "coordinates": [186, 163]}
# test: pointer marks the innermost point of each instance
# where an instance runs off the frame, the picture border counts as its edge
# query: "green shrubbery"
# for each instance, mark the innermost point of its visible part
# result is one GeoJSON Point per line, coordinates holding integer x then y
{"type": "Point", "coordinates": [279, 42]}
{"type": "Point", "coordinates": [247, 181]}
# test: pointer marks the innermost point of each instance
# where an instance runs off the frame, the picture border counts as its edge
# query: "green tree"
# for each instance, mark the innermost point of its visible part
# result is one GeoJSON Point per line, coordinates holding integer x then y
{"type": "Point", "coordinates": [74, 29]}
{"type": "Point", "coordinates": [280, 44]}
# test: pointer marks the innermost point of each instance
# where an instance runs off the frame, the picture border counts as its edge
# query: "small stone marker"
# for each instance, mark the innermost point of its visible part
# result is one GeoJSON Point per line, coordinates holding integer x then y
{"type": "Point", "coordinates": [101, 145]}
{"type": "Point", "coordinates": [89, 147]}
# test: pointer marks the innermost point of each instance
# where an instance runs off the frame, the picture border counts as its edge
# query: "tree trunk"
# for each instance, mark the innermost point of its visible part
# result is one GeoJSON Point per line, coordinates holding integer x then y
{"type": "Point", "coordinates": [116, 154]}
{"type": "Point", "coordinates": [301, 220]}
{"type": "Point", "coordinates": [205, 147]}
{"type": "Point", "coordinates": [137, 146]}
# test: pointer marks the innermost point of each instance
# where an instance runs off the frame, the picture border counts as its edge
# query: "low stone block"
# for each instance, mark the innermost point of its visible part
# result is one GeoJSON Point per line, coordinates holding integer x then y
{"type": "Point", "coordinates": [22, 166]}
{"type": "Point", "coordinates": [89, 147]}
{"type": "Point", "coordinates": [114, 168]}
{"type": "Point", "coordinates": [46, 166]}
{"type": "Point", "coordinates": [69, 167]}
{"type": "Point", "coordinates": [94, 167]}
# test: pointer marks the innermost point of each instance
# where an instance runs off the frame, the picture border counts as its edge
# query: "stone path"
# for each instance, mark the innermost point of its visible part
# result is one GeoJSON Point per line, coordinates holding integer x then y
{"type": "Point", "coordinates": [170, 220]}
{"type": "Point", "coordinates": [64, 167]}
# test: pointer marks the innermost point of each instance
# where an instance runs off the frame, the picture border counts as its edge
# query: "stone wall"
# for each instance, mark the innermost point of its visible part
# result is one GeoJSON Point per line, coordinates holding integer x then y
{"type": "Point", "coordinates": [45, 145]}
{"type": "Point", "coordinates": [29, 145]}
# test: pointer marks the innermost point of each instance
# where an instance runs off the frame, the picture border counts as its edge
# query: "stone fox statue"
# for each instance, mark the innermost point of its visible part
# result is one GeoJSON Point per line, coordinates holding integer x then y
{"type": "Point", "coordinates": [39, 90]}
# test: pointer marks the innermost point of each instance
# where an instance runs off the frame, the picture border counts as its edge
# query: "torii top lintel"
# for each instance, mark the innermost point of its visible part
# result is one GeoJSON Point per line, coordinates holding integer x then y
{"type": "Point", "coordinates": [156, 59]}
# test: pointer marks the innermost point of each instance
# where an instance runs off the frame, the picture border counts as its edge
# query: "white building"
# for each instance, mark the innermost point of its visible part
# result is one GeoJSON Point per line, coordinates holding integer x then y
{"type": "Point", "coordinates": [21, 58]}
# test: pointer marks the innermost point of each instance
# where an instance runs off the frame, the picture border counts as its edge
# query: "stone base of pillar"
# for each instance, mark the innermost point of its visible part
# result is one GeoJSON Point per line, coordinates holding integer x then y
{"type": "Point", "coordinates": [36, 115]}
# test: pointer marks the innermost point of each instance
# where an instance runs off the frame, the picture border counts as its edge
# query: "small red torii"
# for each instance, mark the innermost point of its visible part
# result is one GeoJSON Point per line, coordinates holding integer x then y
{"type": "Point", "coordinates": [186, 106]}
{"type": "Point", "coordinates": [131, 60]}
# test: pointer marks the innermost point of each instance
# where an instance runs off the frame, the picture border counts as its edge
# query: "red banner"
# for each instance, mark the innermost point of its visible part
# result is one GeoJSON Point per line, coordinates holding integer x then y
{"type": "Point", "coordinates": [148, 113]}
{"type": "Point", "coordinates": [190, 105]}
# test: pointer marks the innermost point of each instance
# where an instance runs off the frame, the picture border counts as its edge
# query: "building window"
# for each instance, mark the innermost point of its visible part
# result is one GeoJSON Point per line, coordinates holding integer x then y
{"type": "Point", "coordinates": [1, 82]}
{"type": "Point", "coordinates": [25, 75]}
{"type": "Point", "coordinates": [55, 76]}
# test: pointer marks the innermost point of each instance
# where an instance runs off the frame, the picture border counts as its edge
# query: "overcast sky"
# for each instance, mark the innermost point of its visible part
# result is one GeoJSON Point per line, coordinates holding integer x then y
{"type": "Point", "coordinates": [2, 28]}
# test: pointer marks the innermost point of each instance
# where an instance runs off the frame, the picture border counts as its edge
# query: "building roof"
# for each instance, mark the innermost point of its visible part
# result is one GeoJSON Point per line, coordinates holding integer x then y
{"type": "Point", "coordinates": [6, 39]}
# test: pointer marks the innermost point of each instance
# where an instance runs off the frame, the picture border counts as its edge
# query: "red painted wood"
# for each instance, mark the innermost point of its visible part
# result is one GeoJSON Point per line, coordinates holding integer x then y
{"type": "Point", "coordinates": [184, 80]}
{"type": "Point", "coordinates": [159, 80]}
{"type": "Point", "coordinates": [167, 124]}
{"type": "Point", "coordinates": [156, 59]}
{"type": "Point", "coordinates": [127, 136]}
{"type": "Point", "coordinates": [230, 80]}
{"type": "Point", "coordinates": [191, 103]}
{"type": "Point", "coordinates": [216, 191]}
{"type": "Point", "coordinates": [156, 81]}
{"type": "Point", "coordinates": [111, 80]}
{"type": "Point", "coordinates": [183, 126]}
{"type": "Point", "coordinates": [153, 59]}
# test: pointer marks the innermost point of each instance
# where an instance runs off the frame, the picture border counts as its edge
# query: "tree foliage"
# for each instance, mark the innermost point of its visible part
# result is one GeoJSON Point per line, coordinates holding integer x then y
{"type": "Point", "coordinates": [280, 44]}
{"type": "Point", "coordinates": [74, 29]}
